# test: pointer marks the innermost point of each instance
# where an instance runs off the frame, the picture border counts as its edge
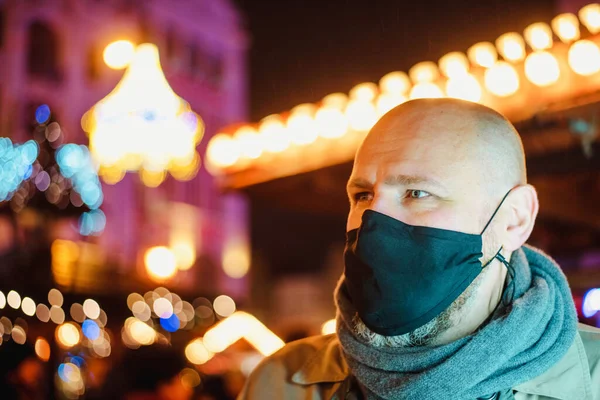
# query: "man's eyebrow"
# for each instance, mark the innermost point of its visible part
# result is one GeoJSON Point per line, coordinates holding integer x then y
{"type": "Point", "coordinates": [404, 180]}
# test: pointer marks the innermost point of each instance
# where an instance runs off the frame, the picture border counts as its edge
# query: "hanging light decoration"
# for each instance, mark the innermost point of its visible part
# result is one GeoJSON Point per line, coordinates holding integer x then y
{"type": "Point", "coordinates": [142, 125]}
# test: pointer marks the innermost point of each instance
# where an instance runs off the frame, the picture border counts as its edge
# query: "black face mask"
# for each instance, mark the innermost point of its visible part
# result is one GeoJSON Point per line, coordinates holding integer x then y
{"type": "Point", "coordinates": [399, 276]}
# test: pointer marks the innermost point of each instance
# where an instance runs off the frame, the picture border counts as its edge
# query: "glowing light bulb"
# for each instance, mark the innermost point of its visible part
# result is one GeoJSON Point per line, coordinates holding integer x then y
{"type": "Point", "coordinates": [274, 134]}
{"type": "Point", "coordinates": [335, 101]}
{"type": "Point", "coordinates": [197, 353]}
{"type": "Point", "coordinates": [590, 17]}
{"type": "Point", "coordinates": [483, 54]}
{"type": "Point", "coordinates": [454, 65]}
{"type": "Point", "coordinates": [361, 115]}
{"type": "Point", "coordinates": [584, 57]}
{"type": "Point", "coordinates": [91, 309]}
{"type": "Point", "coordinates": [538, 36]}
{"type": "Point", "coordinates": [464, 88]}
{"type": "Point", "coordinates": [395, 83]}
{"type": "Point", "coordinates": [502, 79]}
{"type": "Point", "coordinates": [328, 327]}
{"type": "Point", "coordinates": [222, 151]}
{"type": "Point", "coordinates": [385, 102]}
{"type": "Point", "coordinates": [140, 332]}
{"type": "Point", "coordinates": [249, 141]}
{"type": "Point", "coordinates": [426, 90]}
{"type": "Point", "coordinates": [301, 124]}
{"type": "Point", "coordinates": [566, 27]}
{"type": "Point", "coordinates": [161, 263]}
{"type": "Point", "coordinates": [511, 47]}
{"type": "Point", "coordinates": [541, 68]}
{"type": "Point", "coordinates": [424, 72]}
{"type": "Point", "coordinates": [28, 306]}
{"type": "Point", "coordinates": [67, 335]}
{"type": "Point", "coordinates": [13, 299]}
{"type": "Point", "coordinates": [42, 349]}
{"type": "Point", "coordinates": [363, 92]}
{"type": "Point", "coordinates": [119, 54]}
{"type": "Point", "coordinates": [331, 122]}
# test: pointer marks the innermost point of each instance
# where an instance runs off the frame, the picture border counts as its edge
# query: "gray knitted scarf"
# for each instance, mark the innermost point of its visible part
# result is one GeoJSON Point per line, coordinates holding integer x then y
{"type": "Point", "coordinates": [520, 343]}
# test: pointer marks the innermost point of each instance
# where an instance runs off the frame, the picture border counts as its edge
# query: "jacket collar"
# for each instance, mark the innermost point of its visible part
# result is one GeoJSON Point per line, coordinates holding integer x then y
{"type": "Point", "coordinates": [327, 364]}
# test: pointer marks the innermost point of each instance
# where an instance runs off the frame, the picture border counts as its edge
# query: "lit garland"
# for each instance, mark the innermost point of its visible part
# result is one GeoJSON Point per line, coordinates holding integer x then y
{"type": "Point", "coordinates": [516, 75]}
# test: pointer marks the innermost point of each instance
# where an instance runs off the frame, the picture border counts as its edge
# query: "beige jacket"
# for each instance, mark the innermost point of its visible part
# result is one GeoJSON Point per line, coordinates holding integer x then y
{"type": "Point", "coordinates": [314, 369]}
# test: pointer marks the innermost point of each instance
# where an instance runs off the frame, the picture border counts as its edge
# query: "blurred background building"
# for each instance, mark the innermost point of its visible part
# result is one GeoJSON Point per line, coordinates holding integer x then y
{"type": "Point", "coordinates": [96, 262]}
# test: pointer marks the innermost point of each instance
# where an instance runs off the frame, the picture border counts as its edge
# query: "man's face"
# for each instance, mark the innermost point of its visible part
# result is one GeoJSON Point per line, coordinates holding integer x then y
{"type": "Point", "coordinates": [420, 169]}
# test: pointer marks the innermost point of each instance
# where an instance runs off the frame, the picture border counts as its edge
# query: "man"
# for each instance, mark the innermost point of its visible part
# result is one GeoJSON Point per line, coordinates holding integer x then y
{"type": "Point", "coordinates": [440, 298]}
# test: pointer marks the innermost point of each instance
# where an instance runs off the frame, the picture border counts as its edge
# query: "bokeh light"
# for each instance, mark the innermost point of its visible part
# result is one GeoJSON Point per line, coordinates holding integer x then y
{"type": "Point", "coordinates": [274, 134]}
{"type": "Point", "coordinates": [67, 335]}
{"type": "Point", "coordinates": [511, 47]}
{"type": "Point", "coordinates": [77, 312]}
{"type": "Point", "coordinates": [16, 161]}
{"type": "Point", "coordinates": [190, 378]}
{"type": "Point", "coordinates": [591, 303]}
{"type": "Point", "coordinates": [250, 143]}
{"type": "Point", "coordinates": [223, 151]}
{"type": "Point", "coordinates": [28, 306]}
{"type": "Point", "coordinates": [454, 65]}
{"type": "Point", "coordinates": [331, 122]}
{"type": "Point", "coordinates": [19, 335]}
{"type": "Point", "coordinates": [395, 83]}
{"type": "Point", "coordinates": [141, 310]}
{"type": "Point", "coordinates": [2, 300]}
{"type": "Point", "coordinates": [90, 329]}
{"type": "Point", "coordinates": [161, 263]}
{"type": "Point", "coordinates": [502, 79]}
{"type": "Point", "coordinates": [426, 91]}
{"type": "Point", "coordinates": [197, 353]}
{"type": "Point", "coordinates": [163, 308]}
{"type": "Point", "coordinates": [14, 299]}
{"type": "Point", "coordinates": [539, 36]}
{"type": "Point", "coordinates": [42, 114]}
{"type": "Point", "coordinates": [301, 124]}
{"type": "Point", "coordinates": [119, 54]}
{"type": "Point", "coordinates": [566, 27]}
{"type": "Point", "coordinates": [185, 253]}
{"type": "Point", "coordinates": [483, 54]}
{"type": "Point", "coordinates": [170, 324]}
{"type": "Point", "coordinates": [328, 327]}
{"type": "Point", "coordinates": [140, 332]}
{"type": "Point", "coordinates": [42, 349]}
{"type": "Point", "coordinates": [55, 298]}
{"type": "Point", "coordinates": [42, 312]}
{"type": "Point", "coordinates": [590, 17]}
{"type": "Point", "coordinates": [236, 259]}
{"type": "Point", "coordinates": [366, 92]}
{"type": "Point", "coordinates": [584, 57]}
{"type": "Point", "coordinates": [424, 72]}
{"type": "Point", "coordinates": [91, 309]}
{"type": "Point", "coordinates": [541, 68]}
{"type": "Point", "coordinates": [224, 306]}
{"type": "Point", "coordinates": [57, 315]}
{"type": "Point", "coordinates": [464, 87]}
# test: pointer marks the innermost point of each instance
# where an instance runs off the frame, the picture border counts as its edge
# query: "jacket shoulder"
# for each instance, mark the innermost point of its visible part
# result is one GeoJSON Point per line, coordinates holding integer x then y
{"type": "Point", "coordinates": [273, 376]}
{"type": "Point", "coordinates": [590, 337]}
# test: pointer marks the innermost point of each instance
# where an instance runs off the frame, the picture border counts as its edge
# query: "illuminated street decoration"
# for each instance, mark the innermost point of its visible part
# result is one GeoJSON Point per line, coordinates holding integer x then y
{"type": "Point", "coordinates": [15, 165]}
{"type": "Point", "coordinates": [517, 74]}
{"type": "Point", "coordinates": [142, 125]}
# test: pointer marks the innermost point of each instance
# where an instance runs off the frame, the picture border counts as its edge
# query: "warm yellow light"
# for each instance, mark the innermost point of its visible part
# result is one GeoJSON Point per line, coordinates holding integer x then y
{"type": "Point", "coordinates": [336, 101]}
{"type": "Point", "coordinates": [236, 259]}
{"type": "Point", "coordinates": [301, 124]}
{"type": "Point", "coordinates": [538, 36]}
{"type": "Point", "coordinates": [197, 353]}
{"type": "Point", "coordinates": [42, 349]}
{"type": "Point", "coordinates": [222, 151]}
{"type": "Point", "coordinates": [424, 72]}
{"type": "Point", "coordinates": [361, 115]}
{"type": "Point", "coordinates": [584, 57]}
{"type": "Point", "coordinates": [331, 122]}
{"type": "Point", "coordinates": [119, 54]}
{"type": "Point", "coordinates": [163, 307]}
{"type": "Point", "coordinates": [152, 178]}
{"type": "Point", "coordinates": [91, 309]}
{"type": "Point", "coordinates": [363, 92]}
{"type": "Point", "coordinates": [385, 102]}
{"type": "Point", "coordinates": [502, 79]}
{"type": "Point", "coordinates": [142, 124]}
{"type": "Point", "coordinates": [67, 335]}
{"type": "Point", "coordinates": [160, 262]}
{"type": "Point", "coordinates": [249, 141]}
{"type": "Point", "coordinates": [590, 17]}
{"type": "Point", "coordinates": [28, 306]}
{"type": "Point", "coordinates": [511, 46]}
{"type": "Point", "coordinates": [274, 135]}
{"type": "Point", "coordinates": [566, 27]}
{"type": "Point", "coordinates": [224, 306]}
{"type": "Point", "coordinates": [395, 83]}
{"type": "Point", "coordinates": [140, 332]}
{"type": "Point", "coordinates": [464, 88]}
{"type": "Point", "coordinates": [2, 300]}
{"type": "Point", "coordinates": [483, 54]}
{"type": "Point", "coordinates": [185, 254]}
{"type": "Point", "coordinates": [426, 91]}
{"type": "Point", "coordinates": [55, 297]}
{"type": "Point", "coordinates": [57, 315]}
{"type": "Point", "coordinates": [541, 68]}
{"type": "Point", "coordinates": [13, 299]}
{"type": "Point", "coordinates": [328, 327]}
{"type": "Point", "coordinates": [141, 310]}
{"type": "Point", "coordinates": [454, 65]}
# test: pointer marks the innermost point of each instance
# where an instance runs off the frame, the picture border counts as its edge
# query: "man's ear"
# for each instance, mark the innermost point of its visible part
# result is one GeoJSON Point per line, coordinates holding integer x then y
{"type": "Point", "coordinates": [522, 211]}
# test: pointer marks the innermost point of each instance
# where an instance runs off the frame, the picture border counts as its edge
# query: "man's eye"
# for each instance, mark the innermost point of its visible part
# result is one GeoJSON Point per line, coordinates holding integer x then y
{"type": "Point", "coordinates": [418, 194]}
{"type": "Point", "coordinates": [363, 196]}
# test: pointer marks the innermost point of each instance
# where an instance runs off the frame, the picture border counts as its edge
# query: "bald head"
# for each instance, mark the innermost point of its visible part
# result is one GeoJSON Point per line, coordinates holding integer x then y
{"type": "Point", "coordinates": [461, 130]}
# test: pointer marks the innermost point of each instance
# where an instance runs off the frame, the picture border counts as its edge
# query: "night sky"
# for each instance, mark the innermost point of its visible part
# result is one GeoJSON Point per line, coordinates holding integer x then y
{"type": "Point", "coordinates": [302, 50]}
